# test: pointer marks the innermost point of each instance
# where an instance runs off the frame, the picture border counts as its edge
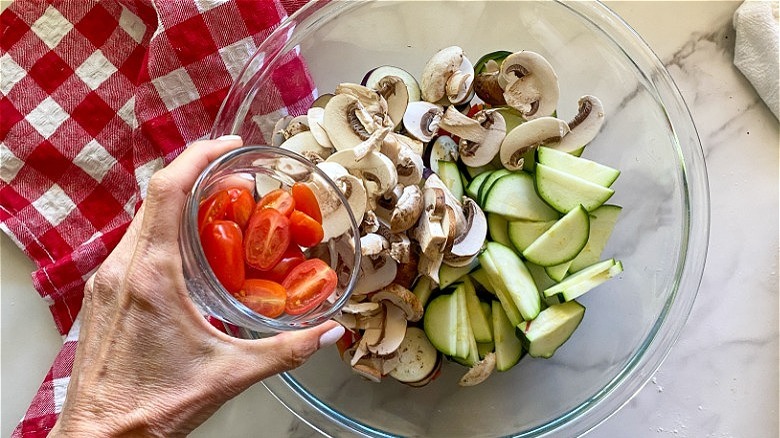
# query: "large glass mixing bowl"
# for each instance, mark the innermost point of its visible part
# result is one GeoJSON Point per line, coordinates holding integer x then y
{"type": "Point", "coordinates": [661, 237]}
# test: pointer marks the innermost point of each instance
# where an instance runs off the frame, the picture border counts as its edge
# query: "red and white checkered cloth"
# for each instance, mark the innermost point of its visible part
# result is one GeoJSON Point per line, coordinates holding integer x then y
{"type": "Point", "coordinates": [96, 96]}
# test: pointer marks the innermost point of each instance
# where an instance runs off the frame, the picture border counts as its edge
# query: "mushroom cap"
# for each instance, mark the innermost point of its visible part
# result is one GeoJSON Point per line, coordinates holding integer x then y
{"type": "Point", "coordinates": [403, 298]}
{"type": "Point", "coordinates": [461, 125]}
{"type": "Point", "coordinates": [438, 70]}
{"type": "Point", "coordinates": [480, 371]}
{"type": "Point", "coordinates": [470, 242]}
{"type": "Point", "coordinates": [393, 331]}
{"type": "Point", "coordinates": [344, 128]}
{"type": "Point", "coordinates": [394, 90]}
{"type": "Point", "coordinates": [375, 169]}
{"type": "Point", "coordinates": [584, 126]}
{"type": "Point", "coordinates": [422, 119]}
{"type": "Point", "coordinates": [305, 143]}
{"type": "Point", "coordinates": [530, 84]}
{"type": "Point", "coordinates": [528, 136]}
{"type": "Point", "coordinates": [375, 273]}
{"type": "Point", "coordinates": [459, 86]}
{"type": "Point", "coordinates": [315, 116]}
{"type": "Point", "coordinates": [475, 154]}
{"type": "Point", "coordinates": [407, 209]}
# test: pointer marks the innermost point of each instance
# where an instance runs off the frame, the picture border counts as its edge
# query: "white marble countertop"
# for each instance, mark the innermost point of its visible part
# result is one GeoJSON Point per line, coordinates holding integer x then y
{"type": "Point", "coordinates": [720, 380]}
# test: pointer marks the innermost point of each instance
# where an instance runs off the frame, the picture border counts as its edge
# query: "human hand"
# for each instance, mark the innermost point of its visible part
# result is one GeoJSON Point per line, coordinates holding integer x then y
{"type": "Point", "coordinates": [147, 362]}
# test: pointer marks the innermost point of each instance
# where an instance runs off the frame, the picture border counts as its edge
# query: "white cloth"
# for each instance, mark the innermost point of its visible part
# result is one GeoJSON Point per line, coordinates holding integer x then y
{"type": "Point", "coordinates": [756, 48]}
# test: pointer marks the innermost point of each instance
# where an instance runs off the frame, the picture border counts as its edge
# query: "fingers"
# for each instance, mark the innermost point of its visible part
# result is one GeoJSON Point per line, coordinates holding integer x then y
{"type": "Point", "coordinates": [263, 358]}
{"type": "Point", "coordinates": [169, 187]}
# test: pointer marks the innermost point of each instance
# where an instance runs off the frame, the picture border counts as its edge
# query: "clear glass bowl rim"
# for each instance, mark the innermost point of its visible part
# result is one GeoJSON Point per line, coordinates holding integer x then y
{"type": "Point", "coordinates": [695, 235]}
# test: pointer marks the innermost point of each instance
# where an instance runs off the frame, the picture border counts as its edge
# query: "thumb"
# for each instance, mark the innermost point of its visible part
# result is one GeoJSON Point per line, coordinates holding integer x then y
{"type": "Point", "coordinates": [263, 358]}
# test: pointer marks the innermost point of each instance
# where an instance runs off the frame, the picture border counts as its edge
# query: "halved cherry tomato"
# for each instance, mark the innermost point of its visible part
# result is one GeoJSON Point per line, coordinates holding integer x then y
{"type": "Point", "coordinates": [278, 199]}
{"type": "Point", "coordinates": [306, 201]}
{"type": "Point", "coordinates": [213, 208]}
{"type": "Point", "coordinates": [221, 242]}
{"type": "Point", "coordinates": [349, 339]}
{"type": "Point", "coordinates": [305, 230]}
{"type": "Point", "coordinates": [266, 239]}
{"type": "Point", "coordinates": [308, 284]}
{"type": "Point", "coordinates": [291, 258]}
{"type": "Point", "coordinates": [265, 297]}
{"type": "Point", "coordinates": [240, 207]}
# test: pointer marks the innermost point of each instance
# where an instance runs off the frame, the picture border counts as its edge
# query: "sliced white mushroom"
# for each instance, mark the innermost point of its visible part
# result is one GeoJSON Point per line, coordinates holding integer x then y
{"type": "Point", "coordinates": [370, 223]}
{"type": "Point", "coordinates": [306, 144]}
{"type": "Point", "coordinates": [372, 144]}
{"type": "Point", "coordinates": [480, 153]}
{"type": "Point", "coordinates": [315, 117]}
{"type": "Point", "coordinates": [430, 235]}
{"type": "Point", "coordinates": [373, 244]}
{"type": "Point", "coordinates": [402, 297]}
{"type": "Point", "coordinates": [393, 332]}
{"type": "Point", "coordinates": [335, 218]}
{"type": "Point", "coordinates": [584, 126]}
{"type": "Point", "coordinates": [463, 126]}
{"type": "Point", "coordinates": [527, 137]}
{"type": "Point", "coordinates": [415, 145]}
{"type": "Point", "coordinates": [342, 122]}
{"type": "Point", "coordinates": [373, 77]}
{"type": "Point", "coordinates": [297, 125]}
{"type": "Point", "coordinates": [488, 88]}
{"type": "Point", "coordinates": [280, 131]}
{"type": "Point", "coordinates": [479, 372]}
{"type": "Point", "coordinates": [375, 170]}
{"type": "Point", "coordinates": [530, 84]}
{"type": "Point", "coordinates": [433, 181]}
{"type": "Point", "coordinates": [437, 72]}
{"type": "Point", "coordinates": [408, 163]}
{"type": "Point", "coordinates": [321, 100]}
{"type": "Point", "coordinates": [394, 90]}
{"type": "Point", "coordinates": [429, 266]}
{"type": "Point", "coordinates": [368, 371]}
{"type": "Point", "coordinates": [459, 85]}
{"type": "Point", "coordinates": [362, 309]}
{"type": "Point", "coordinates": [443, 148]}
{"type": "Point", "coordinates": [370, 99]}
{"type": "Point", "coordinates": [375, 273]}
{"type": "Point", "coordinates": [421, 120]}
{"type": "Point", "coordinates": [407, 209]}
{"type": "Point", "coordinates": [401, 249]}
{"type": "Point", "coordinates": [469, 243]}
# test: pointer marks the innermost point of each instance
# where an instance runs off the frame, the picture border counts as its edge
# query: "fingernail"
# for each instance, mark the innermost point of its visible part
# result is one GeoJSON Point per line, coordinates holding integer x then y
{"type": "Point", "coordinates": [331, 336]}
{"type": "Point", "coordinates": [229, 137]}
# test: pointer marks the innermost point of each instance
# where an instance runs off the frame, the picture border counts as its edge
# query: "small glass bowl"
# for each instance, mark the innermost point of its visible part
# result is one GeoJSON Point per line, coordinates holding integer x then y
{"type": "Point", "coordinates": [276, 168]}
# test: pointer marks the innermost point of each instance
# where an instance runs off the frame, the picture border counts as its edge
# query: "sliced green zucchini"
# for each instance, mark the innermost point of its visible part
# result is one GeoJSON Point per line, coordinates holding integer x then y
{"type": "Point", "coordinates": [441, 323]}
{"type": "Point", "coordinates": [561, 242]}
{"type": "Point", "coordinates": [485, 187]}
{"type": "Point", "coordinates": [515, 279]}
{"type": "Point", "coordinates": [450, 176]}
{"type": "Point", "coordinates": [508, 347]}
{"type": "Point", "coordinates": [554, 326]}
{"type": "Point", "coordinates": [492, 273]}
{"type": "Point", "coordinates": [523, 233]}
{"type": "Point", "coordinates": [473, 188]}
{"type": "Point", "coordinates": [450, 274]}
{"type": "Point", "coordinates": [480, 326]}
{"type": "Point", "coordinates": [564, 191]}
{"type": "Point", "coordinates": [577, 284]}
{"type": "Point", "coordinates": [514, 197]}
{"type": "Point", "coordinates": [586, 169]}
{"type": "Point", "coordinates": [498, 228]}
{"type": "Point", "coordinates": [602, 222]}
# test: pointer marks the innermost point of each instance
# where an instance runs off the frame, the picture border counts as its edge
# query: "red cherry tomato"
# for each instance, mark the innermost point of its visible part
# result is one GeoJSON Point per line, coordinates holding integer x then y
{"type": "Point", "coordinates": [278, 199]}
{"type": "Point", "coordinates": [291, 258]}
{"type": "Point", "coordinates": [240, 208]}
{"type": "Point", "coordinates": [306, 201]}
{"type": "Point", "coordinates": [213, 208]}
{"type": "Point", "coordinates": [265, 297]}
{"type": "Point", "coordinates": [305, 230]}
{"type": "Point", "coordinates": [308, 284]}
{"type": "Point", "coordinates": [266, 239]}
{"type": "Point", "coordinates": [221, 242]}
{"type": "Point", "coordinates": [349, 339]}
